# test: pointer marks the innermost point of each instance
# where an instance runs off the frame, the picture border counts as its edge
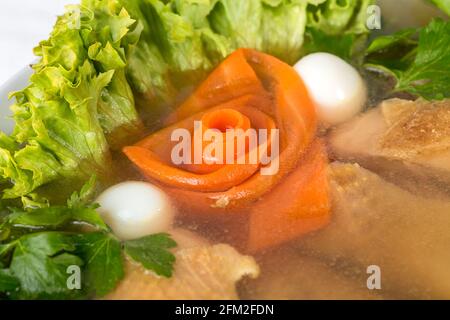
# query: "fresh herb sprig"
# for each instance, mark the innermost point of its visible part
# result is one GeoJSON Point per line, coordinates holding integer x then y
{"type": "Point", "coordinates": [40, 246]}
{"type": "Point", "coordinates": [420, 66]}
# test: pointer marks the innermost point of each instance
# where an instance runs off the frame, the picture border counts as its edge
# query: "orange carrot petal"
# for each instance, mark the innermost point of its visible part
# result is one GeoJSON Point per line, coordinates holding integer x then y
{"type": "Point", "coordinates": [219, 180]}
{"type": "Point", "coordinates": [233, 78]}
{"type": "Point", "coordinates": [300, 204]}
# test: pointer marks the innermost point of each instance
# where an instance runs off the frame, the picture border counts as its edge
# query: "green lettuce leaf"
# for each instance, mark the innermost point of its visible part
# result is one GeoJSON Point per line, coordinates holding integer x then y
{"type": "Point", "coordinates": [78, 105]}
{"type": "Point", "coordinates": [337, 27]}
{"type": "Point", "coordinates": [283, 28]}
{"type": "Point", "coordinates": [170, 52]}
{"type": "Point", "coordinates": [183, 39]}
{"type": "Point", "coordinates": [238, 21]}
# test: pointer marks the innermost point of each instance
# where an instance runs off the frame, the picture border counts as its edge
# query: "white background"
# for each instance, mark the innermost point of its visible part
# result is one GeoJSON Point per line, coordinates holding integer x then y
{"type": "Point", "coordinates": [23, 23]}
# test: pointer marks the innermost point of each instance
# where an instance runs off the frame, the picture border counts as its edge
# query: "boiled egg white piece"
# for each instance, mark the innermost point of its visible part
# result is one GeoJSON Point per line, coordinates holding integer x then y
{"type": "Point", "coordinates": [136, 209]}
{"type": "Point", "coordinates": [337, 89]}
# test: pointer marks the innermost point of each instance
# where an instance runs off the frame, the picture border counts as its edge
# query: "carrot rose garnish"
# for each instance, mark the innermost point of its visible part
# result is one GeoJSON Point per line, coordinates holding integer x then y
{"type": "Point", "coordinates": [275, 182]}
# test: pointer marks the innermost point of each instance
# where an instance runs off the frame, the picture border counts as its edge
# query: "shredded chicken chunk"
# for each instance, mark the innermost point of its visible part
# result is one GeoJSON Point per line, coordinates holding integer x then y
{"type": "Point", "coordinates": [407, 142]}
{"type": "Point", "coordinates": [202, 271]}
{"type": "Point", "coordinates": [378, 223]}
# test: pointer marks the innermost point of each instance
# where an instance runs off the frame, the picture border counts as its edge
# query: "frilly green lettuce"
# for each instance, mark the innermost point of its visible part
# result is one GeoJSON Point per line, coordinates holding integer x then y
{"type": "Point", "coordinates": [184, 39]}
{"type": "Point", "coordinates": [77, 100]}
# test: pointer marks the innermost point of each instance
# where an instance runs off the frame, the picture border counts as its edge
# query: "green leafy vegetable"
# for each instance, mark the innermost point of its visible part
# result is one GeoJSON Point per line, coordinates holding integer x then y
{"type": "Point", "coordinates": [103, 266]}
{"type": "Point", "coordinates": [429, 75]}
{"type": "Point", "coordinates": [82, 198]}
{"type": "Point", "coordinates": [8, 282]}
{"type": "Point", "coordinates": [337, 27]}
{"type": "Point", "coordinates": [319, 41]}
{"type": "Point", "coordinates": [39, 263]}
{"type": "Point", "coordinates": [183, 39]}
{"type": "Point", "coordinates": [152, 252]}
{"type": "Point", "coordinates": [395, 52]}
{"type": "Point", "coordinates": [339, 16]}
{"type": "Point", "coordinates": [37, 251]}
{"type": "Point", "coordinates": [422, 68]}
{"type": "Point", "coordinates": [282, 29]}
{"type": "Point", "coordinates": [383, 43]}
{"type": "Point", "coordinates": [55, 217]}
{"type": "Point", "coordinates": [77, 102]}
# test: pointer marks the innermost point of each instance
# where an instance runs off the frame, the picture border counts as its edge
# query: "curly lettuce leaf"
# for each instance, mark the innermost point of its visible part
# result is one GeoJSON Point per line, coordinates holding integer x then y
{"type": "Point", "coordinates": [337, 27]}
{"type": "Point", "coordinates": [169, 50]}
{"type": "Point", "coordinates": [282, 28]}
{"type": "Point", "coordinates": [78, 105]}
{"type": "Point", "coordinates": [238, 21]}
{"type": "Point", "coordinates": [183, 39]}
{"type": "Point", "coordinates": [108, 37]}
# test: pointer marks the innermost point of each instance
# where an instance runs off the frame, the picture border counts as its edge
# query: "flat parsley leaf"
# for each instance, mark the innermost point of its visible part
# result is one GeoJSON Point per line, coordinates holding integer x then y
{"type": "Point", "coordinates": [103, 267]}
{"type": "Point", "coordinates": [55, 217]}
{"type": "Point", "coordinates": [8, 282]}
{"type": "Point", "coordinates": [152, 252]}
{"type": "Point", "coordinates": [422, 67]}
{"type": "Point", "coordinates": [382, 43]}
{"type": "Point", "coordinates": [87, 192]}
{"type": "Point", "coordinates": [78, 210]}
{"type": "Point", "coordinates": [429, 75]}
{"type": "Point", "coordinates": [40, 263]}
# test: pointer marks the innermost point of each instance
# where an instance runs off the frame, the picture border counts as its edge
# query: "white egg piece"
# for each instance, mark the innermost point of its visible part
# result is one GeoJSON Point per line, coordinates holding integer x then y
{"type": "Point", "coordinates": [136, 209]}
{"type": "Point", "coordinates": [337, 89]}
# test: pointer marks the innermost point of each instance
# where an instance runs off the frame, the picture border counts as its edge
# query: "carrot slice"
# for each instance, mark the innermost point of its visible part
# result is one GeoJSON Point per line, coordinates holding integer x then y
{"type": "Point", "coordinates": [219, 180]}
{"type": "Point", "coordinates": [220, 120]}
{"type": "Point", "coordinates": [233, 78]}
{"type": "Point", "coordinates": [300, 204]}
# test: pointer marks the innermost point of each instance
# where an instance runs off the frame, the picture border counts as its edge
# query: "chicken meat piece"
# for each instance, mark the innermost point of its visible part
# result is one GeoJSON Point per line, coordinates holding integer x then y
{"type": "Point", "coordinates": [378, 223]}
{"type": "Point", "coordinates": [202, 272]}
{"type": "Point", "coordinates": [407, 142]}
